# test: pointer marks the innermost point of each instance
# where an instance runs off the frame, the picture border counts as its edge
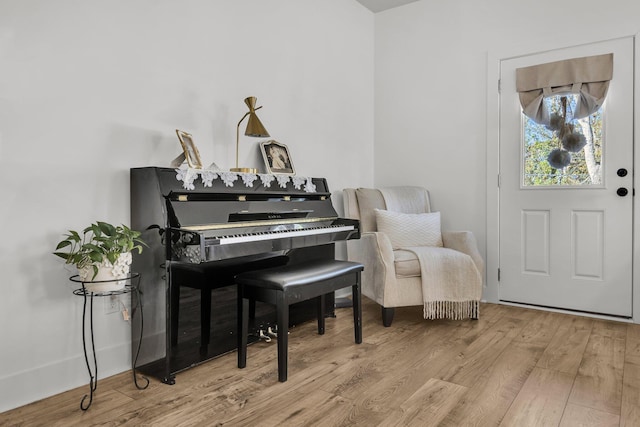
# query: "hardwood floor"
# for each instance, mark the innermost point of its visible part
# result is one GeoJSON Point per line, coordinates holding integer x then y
{"type": "Point", "coordinates": [512, 367]}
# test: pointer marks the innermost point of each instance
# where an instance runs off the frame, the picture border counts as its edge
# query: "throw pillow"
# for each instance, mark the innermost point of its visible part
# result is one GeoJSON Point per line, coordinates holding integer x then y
{"type": "Point", "coordinates": [406, 230]}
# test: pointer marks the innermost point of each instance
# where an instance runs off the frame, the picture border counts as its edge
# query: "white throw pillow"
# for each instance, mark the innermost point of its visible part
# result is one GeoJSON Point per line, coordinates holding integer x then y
{"type": "Point", "coordinates": [406, 230]}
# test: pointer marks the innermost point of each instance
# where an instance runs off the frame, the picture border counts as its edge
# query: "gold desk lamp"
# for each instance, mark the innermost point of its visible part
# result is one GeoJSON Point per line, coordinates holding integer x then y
{"type": "Point", "coordinates": [254, 128]}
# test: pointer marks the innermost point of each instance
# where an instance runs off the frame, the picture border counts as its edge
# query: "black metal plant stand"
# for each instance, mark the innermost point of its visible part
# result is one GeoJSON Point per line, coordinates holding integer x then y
{"type": "Point", "coordinates": [92, 368]}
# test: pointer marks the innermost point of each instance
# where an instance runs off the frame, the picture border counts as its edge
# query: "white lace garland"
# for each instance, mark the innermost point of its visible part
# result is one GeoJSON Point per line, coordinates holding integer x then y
{"type": "Point", "coordinates": [188, 176]}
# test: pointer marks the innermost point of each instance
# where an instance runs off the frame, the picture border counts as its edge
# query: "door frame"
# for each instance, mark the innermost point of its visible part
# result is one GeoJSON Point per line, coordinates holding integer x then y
{"type": "Point", "coordinates": [492, 250]}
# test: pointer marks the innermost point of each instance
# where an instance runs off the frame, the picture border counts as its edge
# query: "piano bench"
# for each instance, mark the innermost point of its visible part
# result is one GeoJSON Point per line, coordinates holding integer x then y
{"type": "Point", "coordinates": [286, 285]}
{"type": "Point", "coordinates": [206, 277]}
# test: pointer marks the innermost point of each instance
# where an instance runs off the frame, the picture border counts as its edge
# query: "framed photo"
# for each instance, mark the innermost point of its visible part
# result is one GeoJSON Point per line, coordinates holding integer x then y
{"type": "Point", "coordinates": [191, 153]}
{"type": "Point", "coordinates": [277, 158]}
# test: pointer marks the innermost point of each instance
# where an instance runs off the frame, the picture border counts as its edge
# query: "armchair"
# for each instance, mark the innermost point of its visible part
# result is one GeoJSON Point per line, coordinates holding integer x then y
{"type": "Point", "coordinates": [445, 277]}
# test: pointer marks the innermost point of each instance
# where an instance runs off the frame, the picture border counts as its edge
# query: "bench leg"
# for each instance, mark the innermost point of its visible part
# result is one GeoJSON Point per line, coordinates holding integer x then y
{"type": "Point", "coordinates": [357, 309]}
{"type": "Point", "coordinates": [321, 310]}
{"type": "Point", "coordinates": [282, 310]}
{"type": "Point", "coordinates": [243, 328]}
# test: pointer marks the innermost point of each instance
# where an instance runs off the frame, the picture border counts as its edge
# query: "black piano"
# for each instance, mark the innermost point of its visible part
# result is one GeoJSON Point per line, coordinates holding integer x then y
{"type": "Point", "coordinates": [199, 238]}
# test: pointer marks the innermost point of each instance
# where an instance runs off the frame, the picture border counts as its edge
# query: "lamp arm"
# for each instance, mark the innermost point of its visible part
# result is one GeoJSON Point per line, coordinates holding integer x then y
{"type": "Point", "coordinates": [243, 117]}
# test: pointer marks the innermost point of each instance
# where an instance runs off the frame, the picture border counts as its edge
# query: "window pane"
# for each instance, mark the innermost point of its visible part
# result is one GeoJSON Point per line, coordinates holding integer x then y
{"type": "Point", "coordinates": [567, 152]}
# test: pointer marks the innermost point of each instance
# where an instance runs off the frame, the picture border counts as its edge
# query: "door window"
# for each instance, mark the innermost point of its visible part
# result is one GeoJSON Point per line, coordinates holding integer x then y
{"type": "Point", "coordinates": [566, 152]}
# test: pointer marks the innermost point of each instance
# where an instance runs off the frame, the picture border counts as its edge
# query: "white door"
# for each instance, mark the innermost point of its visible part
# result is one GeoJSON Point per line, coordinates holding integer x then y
{"type": "Point", "coordinates": [566, 236]}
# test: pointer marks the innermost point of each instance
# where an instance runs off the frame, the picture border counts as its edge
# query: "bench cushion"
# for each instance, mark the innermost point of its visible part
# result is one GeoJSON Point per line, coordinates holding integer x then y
{"type": "Point", "coordinates": [306, 273]}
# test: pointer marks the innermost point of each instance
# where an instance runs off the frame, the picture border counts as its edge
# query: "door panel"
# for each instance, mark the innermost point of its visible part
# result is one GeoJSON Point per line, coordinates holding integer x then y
{"type": "Point", "coordinates": [569, 246]}
{"type": "Point", "coordinates": [587, 244]}
{"type": "Point", "coordinates": [535, 242]}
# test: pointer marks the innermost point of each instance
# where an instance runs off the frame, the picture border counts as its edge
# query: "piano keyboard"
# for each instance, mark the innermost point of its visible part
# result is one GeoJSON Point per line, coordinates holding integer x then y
{"type": "Point", "coordinates": [278, 234]}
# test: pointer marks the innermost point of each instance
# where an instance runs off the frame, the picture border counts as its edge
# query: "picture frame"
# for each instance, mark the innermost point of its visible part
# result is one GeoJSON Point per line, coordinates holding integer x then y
{"type": "Point", "coordinates": [277, 158]}
{"type": "Point", "coordinates": [191, 153]}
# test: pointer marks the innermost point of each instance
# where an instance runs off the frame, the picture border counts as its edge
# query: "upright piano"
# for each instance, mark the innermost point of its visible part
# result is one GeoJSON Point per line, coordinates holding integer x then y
{"type": "Point", "coordinates": [226, 224]}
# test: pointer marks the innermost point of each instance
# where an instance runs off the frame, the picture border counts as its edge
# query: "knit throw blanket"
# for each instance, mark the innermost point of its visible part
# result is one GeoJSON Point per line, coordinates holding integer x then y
{"type": "Point", "coordinates": [451, 282]}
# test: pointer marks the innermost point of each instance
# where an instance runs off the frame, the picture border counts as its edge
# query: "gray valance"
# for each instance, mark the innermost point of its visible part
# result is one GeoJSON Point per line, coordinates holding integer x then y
{"type": "Point", "coordinates": [588, 76]}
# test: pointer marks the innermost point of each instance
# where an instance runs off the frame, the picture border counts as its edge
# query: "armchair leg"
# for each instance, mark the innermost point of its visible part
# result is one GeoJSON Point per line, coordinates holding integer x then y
{"type": "Point", "coordinates": [387, 316]}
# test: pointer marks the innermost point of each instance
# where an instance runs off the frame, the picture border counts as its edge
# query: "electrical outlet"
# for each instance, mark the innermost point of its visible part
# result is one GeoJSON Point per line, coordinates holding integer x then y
{"type": "Point", "coordinates": [111, 304]}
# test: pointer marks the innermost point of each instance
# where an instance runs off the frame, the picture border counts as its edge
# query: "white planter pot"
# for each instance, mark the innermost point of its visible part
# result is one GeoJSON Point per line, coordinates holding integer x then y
{"type": "Point", "coordinates": [109, 277]}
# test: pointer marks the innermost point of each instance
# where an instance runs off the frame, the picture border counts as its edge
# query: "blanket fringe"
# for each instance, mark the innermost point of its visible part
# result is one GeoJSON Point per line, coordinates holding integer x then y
{"type": "Point", "coordinates": [455, 310]}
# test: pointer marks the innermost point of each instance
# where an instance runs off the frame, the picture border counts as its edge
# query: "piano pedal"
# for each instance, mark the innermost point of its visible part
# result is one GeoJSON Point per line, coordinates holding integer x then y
{"type": "Point", "coordinates": [272, 332]}
{"type": "Point", "coordinates": [262, 336]}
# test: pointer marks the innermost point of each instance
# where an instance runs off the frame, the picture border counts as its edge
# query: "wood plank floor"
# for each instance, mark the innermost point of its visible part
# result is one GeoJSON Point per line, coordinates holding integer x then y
{"type": "Point", "coordinates": [513, 367]}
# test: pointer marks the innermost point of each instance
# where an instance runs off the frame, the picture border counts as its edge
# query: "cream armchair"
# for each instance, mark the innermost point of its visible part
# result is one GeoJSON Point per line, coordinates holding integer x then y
{"type": "Point", "coordinates": [393, 278]}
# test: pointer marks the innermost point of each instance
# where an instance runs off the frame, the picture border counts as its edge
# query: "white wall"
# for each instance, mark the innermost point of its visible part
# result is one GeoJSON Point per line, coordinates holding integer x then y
{"type": "Point", "coordinates": [431, 88]}
{"type": "Point", "coordinates": [89, 89]}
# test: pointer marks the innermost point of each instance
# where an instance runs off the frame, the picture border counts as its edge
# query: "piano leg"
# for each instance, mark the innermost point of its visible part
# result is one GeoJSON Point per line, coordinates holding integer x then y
{"type": "Point", "coordinates": [174, 313]}
{"type": "Point", "coordinates": [243, 328]}
{"type": "Point", "coordinates": [205, 315]}
{"type": "Point", "coordinates": [252, 309]}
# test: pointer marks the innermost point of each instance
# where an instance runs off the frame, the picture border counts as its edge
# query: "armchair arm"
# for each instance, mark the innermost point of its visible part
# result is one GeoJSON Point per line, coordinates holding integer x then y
{"type": "Point", "coordinates": [374, 251]}
{"type": "Point", "coordinates": [465, 242]}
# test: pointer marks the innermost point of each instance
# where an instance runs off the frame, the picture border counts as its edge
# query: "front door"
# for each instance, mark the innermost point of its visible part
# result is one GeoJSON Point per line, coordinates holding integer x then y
{"type": "Point", "coordinates": [566, 228]}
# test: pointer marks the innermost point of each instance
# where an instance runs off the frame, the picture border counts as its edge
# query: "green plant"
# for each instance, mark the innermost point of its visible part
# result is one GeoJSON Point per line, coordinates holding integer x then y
{"type": "Point", "coordinates": [98, 241]}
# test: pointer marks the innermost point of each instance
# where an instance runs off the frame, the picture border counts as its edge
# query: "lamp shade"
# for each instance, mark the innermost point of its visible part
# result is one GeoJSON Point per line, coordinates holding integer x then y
{"type": "Point", "coordinates": [254, 128]}
{"type": "Point", "coordinates": [254, 125]}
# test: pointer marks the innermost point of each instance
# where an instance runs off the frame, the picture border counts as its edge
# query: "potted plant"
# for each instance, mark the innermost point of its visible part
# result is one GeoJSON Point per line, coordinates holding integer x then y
{"type": "Point", "coordinates": [102, 254]}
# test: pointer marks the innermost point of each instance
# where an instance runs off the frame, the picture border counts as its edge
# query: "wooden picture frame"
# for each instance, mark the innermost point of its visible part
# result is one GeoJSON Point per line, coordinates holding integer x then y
{"type": "Point", "coordinates": [277, 158]}
{"type": "Point", "coordinates": [191, 153]}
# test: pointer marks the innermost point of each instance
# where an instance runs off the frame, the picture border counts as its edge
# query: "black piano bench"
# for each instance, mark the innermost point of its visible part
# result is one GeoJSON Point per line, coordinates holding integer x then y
{"type": "Point", "coordinates": [283, 286]}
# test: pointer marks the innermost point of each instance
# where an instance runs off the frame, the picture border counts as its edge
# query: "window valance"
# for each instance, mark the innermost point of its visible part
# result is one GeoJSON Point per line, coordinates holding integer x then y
{"type": "Point", "coordinates": [588, 76]}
